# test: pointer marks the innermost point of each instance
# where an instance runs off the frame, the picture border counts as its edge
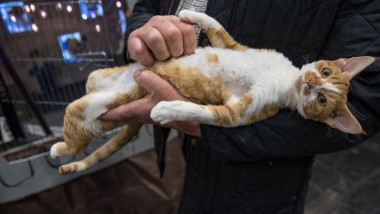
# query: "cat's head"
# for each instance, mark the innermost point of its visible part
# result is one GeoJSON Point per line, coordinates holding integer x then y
{"type": "Point", "coordinates": [323, 89]}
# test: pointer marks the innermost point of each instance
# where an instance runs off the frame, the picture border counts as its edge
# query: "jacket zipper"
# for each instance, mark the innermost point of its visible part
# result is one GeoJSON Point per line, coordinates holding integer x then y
{"type": "Point", "coordinates": [162, 141]}
{"type": "Point", "coordinates": [171, 7]}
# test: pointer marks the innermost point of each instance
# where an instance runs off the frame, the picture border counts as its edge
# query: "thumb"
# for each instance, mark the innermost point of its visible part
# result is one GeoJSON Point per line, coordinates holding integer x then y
{"type": "Point", "coordinates": [151, 82]}
{"type": "Point", "coordinates": [135, 112]}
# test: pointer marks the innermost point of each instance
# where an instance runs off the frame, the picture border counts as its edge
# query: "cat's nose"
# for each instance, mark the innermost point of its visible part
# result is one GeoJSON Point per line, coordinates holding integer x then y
{"type": "Point", "coordinates": [310, 83]}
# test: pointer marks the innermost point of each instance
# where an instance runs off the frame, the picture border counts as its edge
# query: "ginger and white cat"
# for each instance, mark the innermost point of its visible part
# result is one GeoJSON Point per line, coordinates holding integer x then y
{"type": "Point", "coordinates": [229, 85]}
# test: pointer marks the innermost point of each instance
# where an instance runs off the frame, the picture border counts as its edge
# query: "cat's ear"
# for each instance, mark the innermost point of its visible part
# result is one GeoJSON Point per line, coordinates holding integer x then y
{"type": "Point", "coordinates": [346, 122]}
{"type": "Point", "coordinates": [355, 65]}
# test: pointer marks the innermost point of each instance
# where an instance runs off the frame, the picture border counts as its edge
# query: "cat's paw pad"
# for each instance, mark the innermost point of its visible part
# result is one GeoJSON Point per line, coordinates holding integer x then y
{"type": "Point", "coordinates": [165, 112]}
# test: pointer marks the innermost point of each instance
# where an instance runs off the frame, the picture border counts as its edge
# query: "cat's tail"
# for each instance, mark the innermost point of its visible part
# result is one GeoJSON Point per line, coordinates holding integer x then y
{"type": "Point", "coordinates": [106, 150]}
{"type": "Point", "coordinates": [218, 36]}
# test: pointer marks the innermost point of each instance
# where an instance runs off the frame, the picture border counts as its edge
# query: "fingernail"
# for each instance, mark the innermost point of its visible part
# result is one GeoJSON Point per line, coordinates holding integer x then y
{"type": "Point", "coordinates": [138, 74]}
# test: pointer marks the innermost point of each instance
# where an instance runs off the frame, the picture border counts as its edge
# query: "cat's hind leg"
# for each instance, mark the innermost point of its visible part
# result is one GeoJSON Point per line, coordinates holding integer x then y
{"type": "Point", "coordinates": [63, 149]}
{"type": "Point", "coordinates": [80, 126]}
{"type": "Point", "coordinates": [218, 36]}
{"type": "Point", "coordinates": [106, 150]}
{"type": "Point", "coordinates": [76, 136]}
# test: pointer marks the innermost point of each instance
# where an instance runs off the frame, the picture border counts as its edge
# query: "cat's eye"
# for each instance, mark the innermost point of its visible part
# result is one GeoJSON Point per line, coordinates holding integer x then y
{"type": "Point", "coordinates": [322, 100]}
{"type": "Point", "coordinates": [326, 72]}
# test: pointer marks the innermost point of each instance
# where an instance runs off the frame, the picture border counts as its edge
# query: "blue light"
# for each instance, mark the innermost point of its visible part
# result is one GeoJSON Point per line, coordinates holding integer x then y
{"type": "Point", "coordinates": [67, 55]}
{"type": "Point", "coordinates": [90, 10]}
{"type": "Point", "coordinates": [93, 14]}
{"type": "Point", "coordinates": [21, 23]}
{"type": "Point", "coordinates": [123, 21]}
{"type": "Point", "coordinates": [99, 9]}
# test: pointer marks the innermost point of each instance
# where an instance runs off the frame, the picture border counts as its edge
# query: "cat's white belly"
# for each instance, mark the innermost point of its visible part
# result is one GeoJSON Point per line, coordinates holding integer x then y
{"type": "Point", "coordinates": [107, 89]}
{"type": "Point", "coordinates": [123, 82]}
{"type": "Point", "coordinates": [267, 75]}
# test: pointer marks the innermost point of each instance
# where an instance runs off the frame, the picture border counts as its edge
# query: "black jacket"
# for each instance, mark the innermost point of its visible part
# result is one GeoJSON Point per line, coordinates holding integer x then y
{"type": "Point", "coordinates": [265, 167]}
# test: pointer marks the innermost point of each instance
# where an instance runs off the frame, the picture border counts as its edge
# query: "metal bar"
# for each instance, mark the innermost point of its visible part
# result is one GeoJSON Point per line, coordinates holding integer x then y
{"type": "Point", "coordinates": [42, 102]}
{"type": "Point", "coordinates": [62, 60]}
{"type": "Point", "coordinates": [64, 2]}
{"type": "Point", "coordinates": [12, 72]}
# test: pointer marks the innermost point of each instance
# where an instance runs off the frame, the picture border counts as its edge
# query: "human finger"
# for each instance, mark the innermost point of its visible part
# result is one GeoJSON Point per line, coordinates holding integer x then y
{"type": "Point", "coordinates": [189, 37]}
{"type": "Point", "coordinates": [139, 110]}
{"type": "Point", "coordinates": [139, 51]}
{"type": "Point", "coordinates": [172, 34]}
{"type": "Point", "coordinates": [158, 87]}
{"type": "Point", "coordinates": [180, 36]}
{"type": "Point", "coordinates": [135, 112]}
{"type": "Point", "coordinates": [156, 43]}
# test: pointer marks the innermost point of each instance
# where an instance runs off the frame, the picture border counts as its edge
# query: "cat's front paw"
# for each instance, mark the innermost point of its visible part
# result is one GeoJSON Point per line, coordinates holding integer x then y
{"type": "Point", "coordinates": [165, 112]}
{"type": "Point", "coordinates": [200, 19]}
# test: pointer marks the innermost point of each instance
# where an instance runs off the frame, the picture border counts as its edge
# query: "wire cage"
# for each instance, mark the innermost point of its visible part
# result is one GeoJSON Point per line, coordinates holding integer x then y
{"type": "Point", "coordinates": [47, 50]}
{"type": "Point", "coordinates": [51, 47]}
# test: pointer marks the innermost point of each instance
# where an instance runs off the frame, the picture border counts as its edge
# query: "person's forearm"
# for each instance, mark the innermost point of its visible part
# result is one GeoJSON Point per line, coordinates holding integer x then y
{"type": "Point", "coordinates": [285, 135]}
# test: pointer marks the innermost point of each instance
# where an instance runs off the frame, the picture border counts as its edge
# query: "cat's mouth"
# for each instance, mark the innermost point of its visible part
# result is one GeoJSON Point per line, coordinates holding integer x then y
{"type": "Point", "coordinates": [303, 84]}
{"type": "Point", "coordinates": [300, 84]}
{"type": "Point", "coordinates": [304, 90]}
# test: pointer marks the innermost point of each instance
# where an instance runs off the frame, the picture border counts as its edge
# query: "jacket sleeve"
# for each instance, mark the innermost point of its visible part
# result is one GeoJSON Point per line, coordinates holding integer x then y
{"type": "Point", "coordinates": [289, 135]}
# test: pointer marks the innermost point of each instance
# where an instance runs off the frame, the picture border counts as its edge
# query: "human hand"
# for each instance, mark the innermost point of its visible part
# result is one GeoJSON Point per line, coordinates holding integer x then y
{"type": "Point", "coordinates": [138, 111]}
{"type": "Point", "coordinates": [160, 38]}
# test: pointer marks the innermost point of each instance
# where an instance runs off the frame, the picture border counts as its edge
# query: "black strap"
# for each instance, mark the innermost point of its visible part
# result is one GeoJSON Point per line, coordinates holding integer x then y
{"type": "Point", "coordinates": [161, 135]}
